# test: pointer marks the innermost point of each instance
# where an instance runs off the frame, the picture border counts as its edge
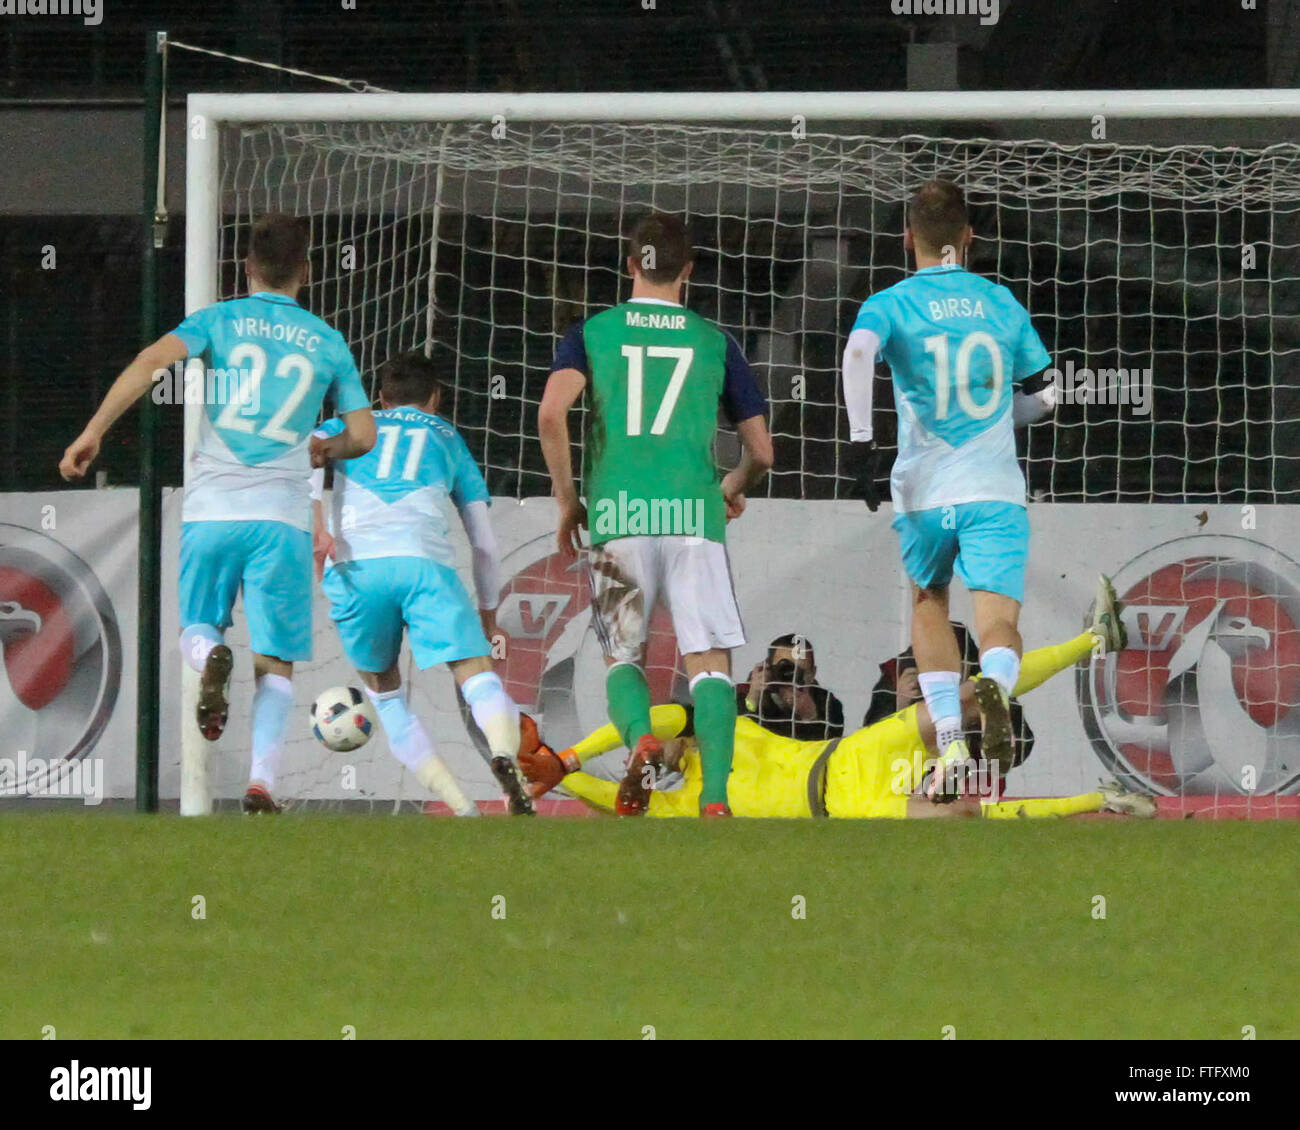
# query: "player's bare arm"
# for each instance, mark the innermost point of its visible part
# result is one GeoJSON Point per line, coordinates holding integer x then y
{"type": "Point", "coordinates": [756, 459]}
{"type": "Point", "coordinates": [356, 438]}
{"type": "Point", "coordinates": [562, 391]}
{"type": "Point", "coordinates": [131, 384]}
{"type": "Point", "coordinates": [322, 542]}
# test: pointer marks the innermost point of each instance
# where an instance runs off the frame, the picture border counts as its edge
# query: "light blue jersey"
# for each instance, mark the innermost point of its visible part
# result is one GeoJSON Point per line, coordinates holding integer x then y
{"type": "Point", "coordinates": [957, 345]}
{"type": "Point", "coordinates": [393, 566]}
{"type": "Point", "coordinates": [391, 502]}
{"type": "Point", "coordinates": [270, 364]}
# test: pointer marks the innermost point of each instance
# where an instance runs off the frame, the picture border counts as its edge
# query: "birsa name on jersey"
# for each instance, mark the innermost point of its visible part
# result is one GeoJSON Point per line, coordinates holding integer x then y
{"type": "Point", "coordinates": [651, 320]}
{"type": "Point", "coordinates": [941, 308]}
{"type": "Point", "coordinates": [300, 336]}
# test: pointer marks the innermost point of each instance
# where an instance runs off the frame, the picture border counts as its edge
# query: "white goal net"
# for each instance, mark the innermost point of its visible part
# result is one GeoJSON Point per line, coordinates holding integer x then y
{"type": "Point", "coordinates": [1161, 279]}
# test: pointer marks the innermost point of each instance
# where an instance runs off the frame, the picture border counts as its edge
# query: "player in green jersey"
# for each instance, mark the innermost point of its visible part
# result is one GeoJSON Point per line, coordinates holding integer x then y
{"type": "Point", "coordinates": [656, 511]}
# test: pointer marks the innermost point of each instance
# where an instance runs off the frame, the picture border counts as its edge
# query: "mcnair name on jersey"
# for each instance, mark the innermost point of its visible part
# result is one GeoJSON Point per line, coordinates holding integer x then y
{"type": "Point", "coordinates": [648, 320]}
{"type": "Point", "coordinates": [956, 308]}
{"type": "Point", "coordinates": [276, 331]}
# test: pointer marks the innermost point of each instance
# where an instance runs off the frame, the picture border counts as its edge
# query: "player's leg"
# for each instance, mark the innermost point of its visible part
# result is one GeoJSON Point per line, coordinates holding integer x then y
{"type": "Point", "coordinates": [444, 627]}
{"type": "Point", "coordinates": [928, 543]}
{"type": "Point", "coordinates": [366, 607]}
{"type": "Point", "coordinates": [624, 578]}
{"type": "Point", "coordinates": [272, 708]}
{"type": "Point", "coordinates": [497, 715]}
{"type": "Point", "coordinates": [410, 741]}
{"type": "Point", "coordinates": [278, 605]}
{"type": "Point", "coordinates": [938, 661]}
{"type": "Point", "coordinates": [1109, 797]}
{"type": "Point", "coordinates": [697, 587]}
{"type": "Point", "coordinates": [994, 541]}
{"type": "Point", "coordinates": [1105, 634]}
{"type": "Point", "coordinates": [623, 574]}
{"type": "Point", "coordinates": [211, 569]}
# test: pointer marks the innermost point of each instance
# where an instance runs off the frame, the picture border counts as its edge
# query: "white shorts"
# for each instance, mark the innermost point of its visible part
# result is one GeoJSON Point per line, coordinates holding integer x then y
{"type": "Point", "coordinates": [691, 575]}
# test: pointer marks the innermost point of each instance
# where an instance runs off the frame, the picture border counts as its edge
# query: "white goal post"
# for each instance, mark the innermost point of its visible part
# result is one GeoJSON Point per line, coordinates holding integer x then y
{"type": "Point", "coordinates": [764, 162]}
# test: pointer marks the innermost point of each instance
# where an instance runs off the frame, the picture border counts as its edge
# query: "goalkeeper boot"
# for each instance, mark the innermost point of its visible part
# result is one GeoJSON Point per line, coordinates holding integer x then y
{"type": "Point", "coordinates": [213, 709]}
{"type": "Point", "coordinates": [943, 781]}
{"type": "Point", "coordinates": [257, 800]}
{"type": "Point", "coordinates": [518, 802]}
{"type": "Point", "coordinates": [715, 810]}
{"type": "Point", "coordinates": [643, 768]}
{"type": "Point", "coordinates": [997, 741]}
{"type": "Point", "coordinates": [1107, 624]}
{"type": "Point", "coordinates": [1115, 799]}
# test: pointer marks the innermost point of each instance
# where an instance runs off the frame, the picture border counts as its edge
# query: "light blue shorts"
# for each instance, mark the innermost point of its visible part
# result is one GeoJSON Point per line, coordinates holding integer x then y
{"type": "Point", "coordinates": [270, 561]}
{"type": "Point", "coordinates": [372, 600]}
{"type": "Point", "coordinates": [986, 542]}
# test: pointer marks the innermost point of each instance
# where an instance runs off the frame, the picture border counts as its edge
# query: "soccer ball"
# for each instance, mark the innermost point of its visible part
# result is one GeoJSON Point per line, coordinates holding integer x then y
{"type": "Point", "coordinates": [342, 719]}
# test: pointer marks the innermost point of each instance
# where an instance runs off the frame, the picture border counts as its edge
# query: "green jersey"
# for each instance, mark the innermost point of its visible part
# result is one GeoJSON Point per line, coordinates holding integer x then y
{"type": "Point", "coordinates": [657, 375]}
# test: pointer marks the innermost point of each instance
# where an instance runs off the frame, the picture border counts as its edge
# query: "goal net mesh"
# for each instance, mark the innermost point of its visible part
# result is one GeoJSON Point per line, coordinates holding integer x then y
{"type": "Point", "coordinates": [1162, 281]}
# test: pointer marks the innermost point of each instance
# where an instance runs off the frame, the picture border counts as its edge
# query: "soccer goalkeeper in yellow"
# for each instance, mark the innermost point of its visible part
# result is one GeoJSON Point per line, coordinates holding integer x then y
{"type": "Point", "coordinates": [873, 773]}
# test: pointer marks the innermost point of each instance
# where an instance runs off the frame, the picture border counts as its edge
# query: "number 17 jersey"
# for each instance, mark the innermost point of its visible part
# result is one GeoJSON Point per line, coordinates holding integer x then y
{"type": "Point", "coordinates": [957, 344]}
{"type": "Point", "coordinates": [657, 375]}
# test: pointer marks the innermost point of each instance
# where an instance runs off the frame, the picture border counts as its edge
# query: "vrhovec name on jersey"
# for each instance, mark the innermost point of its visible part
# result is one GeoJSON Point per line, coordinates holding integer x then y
{"type": "Point", "coordinates": [102, 1084]}
{"type": "Point", "coordinates": [629, 517]}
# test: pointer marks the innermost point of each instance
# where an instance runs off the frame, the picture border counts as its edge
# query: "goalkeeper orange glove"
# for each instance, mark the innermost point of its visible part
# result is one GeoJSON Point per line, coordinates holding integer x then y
{"type": "Point", "coordinates": [545, 768]}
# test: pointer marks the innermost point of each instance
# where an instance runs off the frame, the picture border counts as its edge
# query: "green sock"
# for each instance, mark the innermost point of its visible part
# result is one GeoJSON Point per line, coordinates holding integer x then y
{"type": "Point", "coordinates": [628, 696]}
{"type": "Point", "coordinates": [715, 731]}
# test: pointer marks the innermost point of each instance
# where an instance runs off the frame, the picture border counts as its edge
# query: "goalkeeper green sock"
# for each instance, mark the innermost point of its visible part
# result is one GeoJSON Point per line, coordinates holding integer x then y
{"type": "Point", "coordinates": [628, 697]}
{"type": "Point", "coordinates": [715, 732]}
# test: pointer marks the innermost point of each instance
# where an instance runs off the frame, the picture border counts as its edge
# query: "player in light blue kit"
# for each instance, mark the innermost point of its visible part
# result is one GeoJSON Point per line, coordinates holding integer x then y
{"type": "Point", "coordinates": [967, 367]}
{"type": "Point", "coordinates": [391, 566]}
{"type": "Point", "coordinates": [247, 515]}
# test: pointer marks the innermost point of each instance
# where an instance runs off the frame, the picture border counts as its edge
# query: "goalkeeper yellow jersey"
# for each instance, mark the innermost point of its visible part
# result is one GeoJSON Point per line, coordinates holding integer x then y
{"type": "Point", "coordinates": [868, 774]}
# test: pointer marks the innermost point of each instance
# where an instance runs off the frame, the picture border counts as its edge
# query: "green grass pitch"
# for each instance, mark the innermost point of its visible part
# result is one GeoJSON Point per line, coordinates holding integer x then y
{"type": "Point", "coordinates": [387, 924]}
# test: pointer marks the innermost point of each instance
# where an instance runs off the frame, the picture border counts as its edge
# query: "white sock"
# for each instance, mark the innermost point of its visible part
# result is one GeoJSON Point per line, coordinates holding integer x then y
{"type": "Point", "coordinates": [412, 746]}
{"type": "Point", "coordinates": [197, 642]}
{"type": "Point", "coordinates": [434, 775]}
{"type": "Point", "coordinates": [1002, 665]}
{"type": "Point", "coordinates": [942, 693]}
{"type": "Point", "coordinates": [494, 711]}
{"type": "Point", "coordinates": [272, 704]}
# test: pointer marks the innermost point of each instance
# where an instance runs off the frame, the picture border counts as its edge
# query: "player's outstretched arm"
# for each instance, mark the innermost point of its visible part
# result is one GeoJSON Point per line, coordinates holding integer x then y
{"type": "Point", "coordinates": [132, 383]}
{"type": "Point", "coordinates": [563, 388]}
{"type": "Point", "coordinates": [545, 768]}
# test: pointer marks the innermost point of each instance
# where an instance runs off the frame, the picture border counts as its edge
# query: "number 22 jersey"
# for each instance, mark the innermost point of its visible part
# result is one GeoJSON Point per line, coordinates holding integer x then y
{"type": "Point", "coordinates": [269, 365]}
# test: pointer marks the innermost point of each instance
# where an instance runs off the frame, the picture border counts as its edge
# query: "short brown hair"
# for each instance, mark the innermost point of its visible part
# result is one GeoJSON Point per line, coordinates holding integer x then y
{"type": "Point", "coordinates": [409, 378]}
{"type": "Point", "coordinates": [662, 241]}
{"type": "Point", "coordinates": [937, 215]}
{"type": "Point", "coordinates": [278, 248]}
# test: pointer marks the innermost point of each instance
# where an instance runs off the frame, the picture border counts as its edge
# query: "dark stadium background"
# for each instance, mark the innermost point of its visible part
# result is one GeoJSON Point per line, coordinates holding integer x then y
{"type": "Point", "coordinates": [67, 332]}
